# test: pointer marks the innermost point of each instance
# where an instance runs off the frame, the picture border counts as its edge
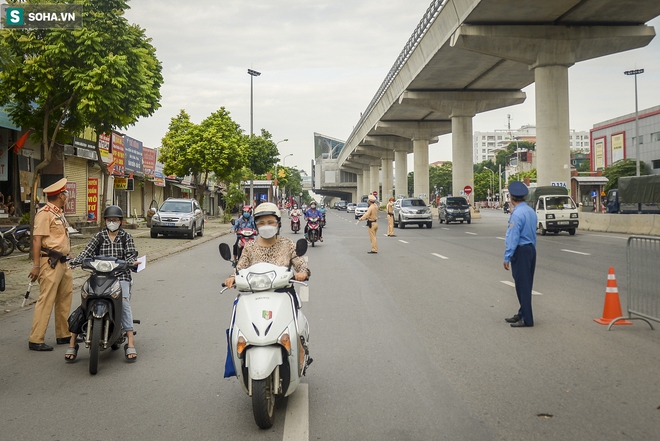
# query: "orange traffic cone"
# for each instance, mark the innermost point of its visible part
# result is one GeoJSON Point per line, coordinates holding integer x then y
{"type": "Point", "coordinates": [612, 309]}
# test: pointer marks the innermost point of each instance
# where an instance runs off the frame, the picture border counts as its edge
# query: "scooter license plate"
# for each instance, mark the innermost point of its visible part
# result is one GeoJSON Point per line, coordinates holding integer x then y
{"type": "Point", "coordinates": [169, 224]}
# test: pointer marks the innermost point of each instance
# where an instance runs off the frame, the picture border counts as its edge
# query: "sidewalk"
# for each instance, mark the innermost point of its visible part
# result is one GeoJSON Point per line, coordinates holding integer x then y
{"type": "Point", "coordinates": [17, 265]}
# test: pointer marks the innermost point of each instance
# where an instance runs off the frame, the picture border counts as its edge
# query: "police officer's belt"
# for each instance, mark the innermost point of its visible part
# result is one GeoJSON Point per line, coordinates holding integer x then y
{"type": "Point", "coordinates": [53, 257]}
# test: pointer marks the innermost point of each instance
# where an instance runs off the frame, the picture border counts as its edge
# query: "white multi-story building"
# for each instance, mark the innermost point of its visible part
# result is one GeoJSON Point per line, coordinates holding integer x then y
{"type": "Point", "coordinates": [486, 144]}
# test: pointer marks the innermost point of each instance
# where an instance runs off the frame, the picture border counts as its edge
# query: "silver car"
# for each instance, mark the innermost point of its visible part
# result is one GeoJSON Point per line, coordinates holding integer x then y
{"type": "Point", "coordinates": [360, 209]}
{"type": "Point", "coordinates": [350, 208]}
{"type": "Point", "coordinates": [178, 217]}
{"type": "Point", "coordinates": [412, 211]}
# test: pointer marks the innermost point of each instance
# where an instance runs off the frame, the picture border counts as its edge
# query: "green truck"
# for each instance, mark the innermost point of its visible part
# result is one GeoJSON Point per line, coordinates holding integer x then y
{"type": "Point", "coordinates": [636, 194]}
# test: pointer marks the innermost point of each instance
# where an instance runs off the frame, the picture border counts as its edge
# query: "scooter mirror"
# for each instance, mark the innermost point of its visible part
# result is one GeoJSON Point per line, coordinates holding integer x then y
{"type": "Point", "coordinates": [225, 252]}
{"type": "Point", "coordinates": [233, 221]}
{"type": "Point", "coordinates": [301, 247]}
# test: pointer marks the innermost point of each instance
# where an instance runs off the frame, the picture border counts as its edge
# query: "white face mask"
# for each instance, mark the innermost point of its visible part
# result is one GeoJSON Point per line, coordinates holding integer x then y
{"type": "Point", "coordinates": [113, 226]}
{"type": "Point", "coordinates": [267, 231]}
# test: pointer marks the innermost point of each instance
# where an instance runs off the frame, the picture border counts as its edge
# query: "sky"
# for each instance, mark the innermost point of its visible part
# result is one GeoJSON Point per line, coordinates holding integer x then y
{"type": "Point", "coordinates": [322, 61]}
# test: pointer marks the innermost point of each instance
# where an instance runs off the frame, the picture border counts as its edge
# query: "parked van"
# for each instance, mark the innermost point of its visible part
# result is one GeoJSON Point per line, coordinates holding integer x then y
{"type": "Point", "coordinates": [454, 209]}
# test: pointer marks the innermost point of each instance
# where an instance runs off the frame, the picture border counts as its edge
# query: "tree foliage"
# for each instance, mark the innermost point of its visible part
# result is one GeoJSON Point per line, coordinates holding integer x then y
{"type": "Point", "coordinates": [623, 167]}
{"type": "Point", "coordinates": [262, 153]}
{"type": "Point", "coordinates": [216, 145]}
{"type": "Point", "coordinates": [439, 178]}
{"type": "Point", "coordinates": [58, 82]}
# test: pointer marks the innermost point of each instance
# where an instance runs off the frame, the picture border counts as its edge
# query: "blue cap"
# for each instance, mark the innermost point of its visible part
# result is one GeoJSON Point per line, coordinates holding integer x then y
{"type": "Point", "coordinates": [518, 189]}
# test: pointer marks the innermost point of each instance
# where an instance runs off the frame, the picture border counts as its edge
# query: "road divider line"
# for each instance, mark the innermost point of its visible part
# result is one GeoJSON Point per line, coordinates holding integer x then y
{"type": "Point", "coordinates": [469, 232]}
{"type": "Point", "coordinates": [296, 421]}
{"type": "Point", "coordinates": [506, 282]}
{"type": "Point", "coordinates": [440, 256]}
{"type": "Point", "coordinates": [402, 241]}
{"type": "Point", "coordinates": [501, 238]}
{"type": "Point", "coordinates": [304, 293]}
{"type": "Point", "coordinates": [577, 252]}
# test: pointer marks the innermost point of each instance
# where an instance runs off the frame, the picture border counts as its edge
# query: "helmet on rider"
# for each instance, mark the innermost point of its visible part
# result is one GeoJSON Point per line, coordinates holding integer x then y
{"type": "Point", "coordinates": [247, 211]}
{"type": "Point", "coordinates": [266, 209]}
{"type": "Point", "coordinates": [313, 204]}
{"type": "Point", "coordinates": [113, 211]}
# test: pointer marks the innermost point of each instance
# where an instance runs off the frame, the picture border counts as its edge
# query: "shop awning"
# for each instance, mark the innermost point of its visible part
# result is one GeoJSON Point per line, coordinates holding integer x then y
{"type": "Point", "coordinates": [183, 188]}
{"type": "Point", "coordinates": [591, 180]}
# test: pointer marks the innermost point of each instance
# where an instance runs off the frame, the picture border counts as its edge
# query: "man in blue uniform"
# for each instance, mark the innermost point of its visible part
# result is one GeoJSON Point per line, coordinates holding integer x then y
{"type": "Point", "coordinates": [520, 253]}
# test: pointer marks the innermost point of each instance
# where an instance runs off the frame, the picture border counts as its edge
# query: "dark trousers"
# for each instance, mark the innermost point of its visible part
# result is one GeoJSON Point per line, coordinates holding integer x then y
{"type": "Point", "coordinates": [523, 264]}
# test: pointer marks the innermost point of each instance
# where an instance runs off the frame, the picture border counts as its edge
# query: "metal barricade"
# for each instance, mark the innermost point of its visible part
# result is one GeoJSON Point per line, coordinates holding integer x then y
{"type": "Point", "coordinates": [643, 256]}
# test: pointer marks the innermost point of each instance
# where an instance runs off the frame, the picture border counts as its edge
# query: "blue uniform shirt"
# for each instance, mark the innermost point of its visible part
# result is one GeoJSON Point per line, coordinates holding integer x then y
{"type": "Point", "coordinates": [241, 222]}
{"type": "Point", "coordinates": [312, 213]}
{"type": "Point", "coordinates": [522, 229]}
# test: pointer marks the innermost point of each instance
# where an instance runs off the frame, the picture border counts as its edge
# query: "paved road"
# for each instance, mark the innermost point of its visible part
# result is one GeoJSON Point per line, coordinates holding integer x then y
{"type": "Point", "coordinates": [409, 344]}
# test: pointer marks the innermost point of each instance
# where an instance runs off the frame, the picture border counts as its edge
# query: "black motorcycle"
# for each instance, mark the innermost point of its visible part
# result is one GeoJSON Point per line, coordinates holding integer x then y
{"type": "Point", "coordinates": [101, 300]}
{"type": "Point", "coordinates": [15, 237]}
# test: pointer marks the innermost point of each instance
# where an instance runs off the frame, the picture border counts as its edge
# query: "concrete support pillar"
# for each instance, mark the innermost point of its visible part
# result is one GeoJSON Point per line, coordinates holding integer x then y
{"type": "Point", "coordinates": [360, 187]}
{"type": "Point", "coordinates": [461, 152]}
{"type": "Point", "coordinates": [388, 181]}
{"type": "Point", "coordinates": [366, 182]}
{"type": "Point", "coordinates": [421, 169]}
{"type": "Point", "coordinates": [401, 171]}
{"type": "Point", "coordinates": [375, 179]}
{"type": "Point", "coordinates": [552, 125]}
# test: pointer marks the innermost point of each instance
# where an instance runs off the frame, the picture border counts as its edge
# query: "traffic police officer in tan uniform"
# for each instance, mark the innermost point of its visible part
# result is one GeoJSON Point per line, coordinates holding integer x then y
{"type": "Point", "coordinates": [50, 247]}
{"type": "Point", "coordinates": [371, 216]}
{"type": "Point", "coordinates": [390, 218]}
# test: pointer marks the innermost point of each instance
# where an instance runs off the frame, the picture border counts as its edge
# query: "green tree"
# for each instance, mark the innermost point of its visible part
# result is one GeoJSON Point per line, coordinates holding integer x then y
{"type": "Point", "coordinates": [522, 175]}
{"type": "Point", "coordinates": [440, 178]}
{"type": "Point", "coordinates": [58, 82]}
{"type": "Point", "coordinates": [623, 167]}
{"type": "Point", "coordinates": [217, 146]}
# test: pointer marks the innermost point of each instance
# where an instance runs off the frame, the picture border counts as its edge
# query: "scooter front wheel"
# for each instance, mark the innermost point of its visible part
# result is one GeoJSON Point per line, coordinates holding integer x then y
{"type": "Point", "coordinates": [263, 402]}
{"type": "Point", "coordinates": [95, 346]}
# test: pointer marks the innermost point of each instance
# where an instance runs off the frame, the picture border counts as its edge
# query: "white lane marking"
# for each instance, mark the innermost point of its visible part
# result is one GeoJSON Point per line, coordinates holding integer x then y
{"type": "Point", "coordinates": [402, 241]}
{"type": "Point", "coordinates": [444, 228]}
{"type": "Point", "coordinates": [468, 232]}
{"type": "Point", "coordinates": [440, 256]}
{"type": "Point", "coordinates": [304, 293]}
{"type": "Point", "coordinates": [506, 282]}
{"type": "Point", "coordinates": [296, 420]}
{"type": "Point", "coordinates": [501, 238]}
{"type": "Point", "coordinates": [577, 252]}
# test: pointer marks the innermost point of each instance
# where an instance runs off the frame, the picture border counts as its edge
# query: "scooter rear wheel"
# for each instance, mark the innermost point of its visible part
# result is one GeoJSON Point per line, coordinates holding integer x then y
{"type": "Point", "coordinates": [263, 402]}
{"type": "Point", "coordinates": [9, 247]}
{"type": "Point", "coordinates": [95, 346]}
{"type": "Point", "coordinates": [23, 244]}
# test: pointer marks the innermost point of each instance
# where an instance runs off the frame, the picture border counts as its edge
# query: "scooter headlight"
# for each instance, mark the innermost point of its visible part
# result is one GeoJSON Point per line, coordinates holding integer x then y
{"type": "Point", "coordinates": [285, 341]}
{"type": "Point", "coordinates": [115, 291]}
{"type": "Point", "coordinates": [260, 282]}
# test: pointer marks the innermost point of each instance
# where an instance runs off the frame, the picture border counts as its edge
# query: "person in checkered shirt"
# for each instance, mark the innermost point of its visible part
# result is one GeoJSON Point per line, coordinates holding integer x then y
{"type": "Point", "coordinates": [115, 242]}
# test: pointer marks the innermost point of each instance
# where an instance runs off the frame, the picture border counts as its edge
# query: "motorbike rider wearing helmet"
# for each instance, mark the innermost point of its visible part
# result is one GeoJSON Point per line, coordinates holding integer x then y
{"type": "Point", "coordinates": [112, 241]}
{"type": "Point", "coordinates": [244, 221]}
{"type": "Point", "coordinates": [270, 246]}
{"type": "Point", "coordinates": [313, 212]}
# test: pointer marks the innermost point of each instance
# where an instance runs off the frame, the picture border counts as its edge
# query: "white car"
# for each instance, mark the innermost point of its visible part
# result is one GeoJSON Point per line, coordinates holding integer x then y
{"type": "Point", "coordinates": [360, 209]}
{"type": "Point", "coordinates": [350, 208]}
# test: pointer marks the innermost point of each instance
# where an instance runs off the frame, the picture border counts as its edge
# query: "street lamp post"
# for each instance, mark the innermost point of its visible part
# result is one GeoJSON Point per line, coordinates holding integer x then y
{"type": "Point", "coordinates": [492, 180]}
{"type": "Point", "coordinates": [635, 73]}
{"type": "Point", "coordinates": [284, 165]}
{"type": "Point", "coordinates": [252, 73]}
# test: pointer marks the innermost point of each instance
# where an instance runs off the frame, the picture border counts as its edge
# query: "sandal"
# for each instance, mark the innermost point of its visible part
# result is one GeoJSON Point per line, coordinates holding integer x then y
{"type": "Point", "coordinates": [130, 351]}
{"type": "Point", "coordinates": [71, 354]}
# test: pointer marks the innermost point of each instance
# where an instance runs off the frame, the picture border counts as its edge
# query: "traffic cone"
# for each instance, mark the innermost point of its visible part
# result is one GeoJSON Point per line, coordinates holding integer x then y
{"type": "Point", "coordinates": [612, 308]}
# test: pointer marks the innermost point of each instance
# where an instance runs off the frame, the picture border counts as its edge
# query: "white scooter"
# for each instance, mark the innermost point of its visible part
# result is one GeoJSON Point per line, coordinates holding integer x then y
{"type": "Point", "coordinates": [268, 335]}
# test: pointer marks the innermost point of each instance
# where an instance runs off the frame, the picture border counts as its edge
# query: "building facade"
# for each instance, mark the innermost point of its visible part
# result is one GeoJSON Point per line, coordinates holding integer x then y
{"type": "Point", "coordinates": [614, 139]}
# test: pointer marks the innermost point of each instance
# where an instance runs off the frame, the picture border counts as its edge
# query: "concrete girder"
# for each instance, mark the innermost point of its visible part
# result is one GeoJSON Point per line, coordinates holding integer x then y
{"type": "Point", "coordinates": [414, 129]}
{"type": "Point", "coordinates": [462, 103]}
{"type": "Point", "coordinates": [550, 51]}
{"type": "Point", "coordinates": [365, 160]}
{"type": "Point", "coordinates": [394, 143]}
{"type": "Point", "coordinates": [374, 151]}
{"type": "Point", "coordinates": [545, 45]}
